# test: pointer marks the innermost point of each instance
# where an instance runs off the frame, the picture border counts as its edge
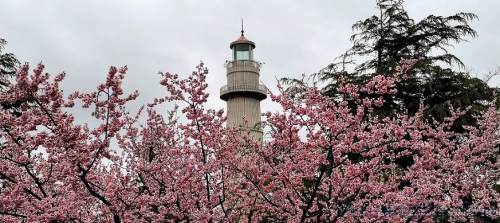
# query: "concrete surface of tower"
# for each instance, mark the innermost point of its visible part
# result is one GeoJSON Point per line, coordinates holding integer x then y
{"type": "Point", "coordinates": [243, 91]}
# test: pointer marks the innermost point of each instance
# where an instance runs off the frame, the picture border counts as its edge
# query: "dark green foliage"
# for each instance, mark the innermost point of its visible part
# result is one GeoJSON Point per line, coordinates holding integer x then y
{"type": "Point", "coordinates": [381, 41]}
{"type": "Point", "coordinates": [8, 68]}
{"type": "Point", "coordinates": [444, 88]}
{"type": "Point", "coordinates": [8, 62]}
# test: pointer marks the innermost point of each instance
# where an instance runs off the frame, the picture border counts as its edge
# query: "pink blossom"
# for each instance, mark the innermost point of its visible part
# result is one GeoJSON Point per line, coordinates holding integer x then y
{"type": "Point", "coordinates": [323, 161]}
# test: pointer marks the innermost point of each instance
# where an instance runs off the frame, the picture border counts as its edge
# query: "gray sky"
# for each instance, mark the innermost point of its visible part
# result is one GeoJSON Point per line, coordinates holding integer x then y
{"type": "Point", "coordinates": [84, 38]}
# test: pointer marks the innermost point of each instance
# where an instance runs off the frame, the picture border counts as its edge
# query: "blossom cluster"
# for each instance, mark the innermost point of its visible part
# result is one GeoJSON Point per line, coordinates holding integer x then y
{"type": "Point", "coordinates": [325, 162]}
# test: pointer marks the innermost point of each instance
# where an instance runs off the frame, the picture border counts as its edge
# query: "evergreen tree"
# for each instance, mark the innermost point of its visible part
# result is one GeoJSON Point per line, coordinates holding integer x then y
{"type": "Point", "coordinates": [8, 68]}
{"type": "Point", "coordinates": [382, 40]}
{"type": "Point", "coordinates": [8, 62]}
{"type": "Point", "coordinates": [9, 65]}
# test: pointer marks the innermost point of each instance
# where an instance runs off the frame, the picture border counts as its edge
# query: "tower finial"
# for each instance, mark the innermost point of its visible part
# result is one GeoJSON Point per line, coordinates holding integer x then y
{"type": "Point", "coordinates": [242, 31]}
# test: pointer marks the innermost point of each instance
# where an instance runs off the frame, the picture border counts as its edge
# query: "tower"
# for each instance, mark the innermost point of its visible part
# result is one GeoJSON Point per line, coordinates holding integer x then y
{"type": "Point", "coordinates": [243, 91]}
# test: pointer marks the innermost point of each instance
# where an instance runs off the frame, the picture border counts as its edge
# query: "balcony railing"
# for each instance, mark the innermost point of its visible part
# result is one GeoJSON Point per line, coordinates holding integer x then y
{"type": "Point", "coordinates": [251, 63]}
{"type": "Point", "coordinates": [261, 90]}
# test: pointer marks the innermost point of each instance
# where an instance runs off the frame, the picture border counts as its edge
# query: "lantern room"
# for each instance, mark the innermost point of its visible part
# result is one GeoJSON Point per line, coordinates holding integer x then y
{"type": "Point", "coordinates": [242, 48]}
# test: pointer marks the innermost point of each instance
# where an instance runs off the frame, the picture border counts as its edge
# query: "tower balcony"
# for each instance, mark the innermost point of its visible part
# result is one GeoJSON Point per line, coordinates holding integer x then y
{"type": "Point", "coordinates": [256, 91]}
{"type": "Point", "coordinates": [243, 65]}
{"type": "Point", "coordinates": [250, 63]}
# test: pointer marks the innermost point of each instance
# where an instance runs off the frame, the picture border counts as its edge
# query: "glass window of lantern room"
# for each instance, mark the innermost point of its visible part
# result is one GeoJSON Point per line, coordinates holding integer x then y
{"type": "Point", "coordinates": [242, 52]}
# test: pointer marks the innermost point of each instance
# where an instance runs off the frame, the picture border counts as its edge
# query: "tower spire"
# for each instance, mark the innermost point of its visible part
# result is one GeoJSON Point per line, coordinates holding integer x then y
{"type": "Point", "coordinates": [242, 30]}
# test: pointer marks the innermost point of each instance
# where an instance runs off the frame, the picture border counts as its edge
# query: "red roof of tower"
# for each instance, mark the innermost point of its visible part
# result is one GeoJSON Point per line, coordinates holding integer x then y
{"type": "Point", "coordinates": [242, 39]}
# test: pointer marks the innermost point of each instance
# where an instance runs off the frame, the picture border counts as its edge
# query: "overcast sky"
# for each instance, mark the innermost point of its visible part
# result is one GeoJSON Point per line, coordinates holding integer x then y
{"type": "Point", "coordinates": [84, 38]}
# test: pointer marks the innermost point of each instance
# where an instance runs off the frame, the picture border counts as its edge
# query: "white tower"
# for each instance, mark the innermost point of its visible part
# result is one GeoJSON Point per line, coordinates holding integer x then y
{"type": "Point", "coordinates": [243, 91]}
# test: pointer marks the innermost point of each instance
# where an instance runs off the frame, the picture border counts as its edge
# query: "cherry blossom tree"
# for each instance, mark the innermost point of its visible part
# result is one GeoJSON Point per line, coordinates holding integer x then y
{"type": "Point", "coordinates": [53, 169]}
{"type": "Point", "coordinates": [324, 163]}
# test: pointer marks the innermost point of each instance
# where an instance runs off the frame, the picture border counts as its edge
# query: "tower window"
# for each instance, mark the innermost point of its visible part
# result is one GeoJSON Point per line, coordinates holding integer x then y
{"type": "Point", "coordinates": [242, 52]}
